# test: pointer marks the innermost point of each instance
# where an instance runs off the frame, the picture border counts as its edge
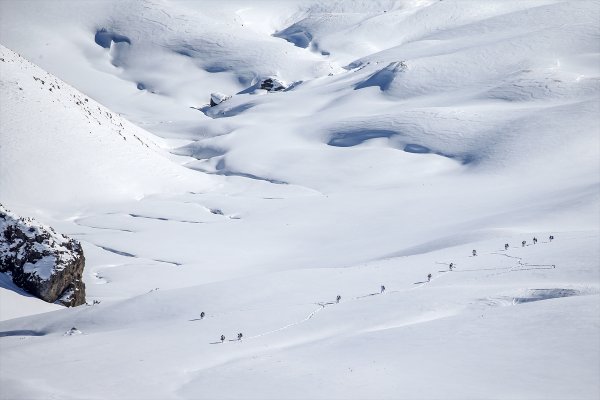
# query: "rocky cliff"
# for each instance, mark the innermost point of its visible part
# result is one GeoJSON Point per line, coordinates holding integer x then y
{"type": "Point", "coordinates": [45, 263]}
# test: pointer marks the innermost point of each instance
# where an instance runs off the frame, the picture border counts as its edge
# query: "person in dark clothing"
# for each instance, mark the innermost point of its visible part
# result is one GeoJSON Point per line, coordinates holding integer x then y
{"type": "Point", "coordinates": [523, 243]}
{"type": "Point", "coordinates": [534, 240]}
{"type": "Point", "coordinates": [222, 338]}
{"type": "Point", "coordinates": [202, 315]}
{"type": "Point", "coordinates": [338, 298]}
{"type": "Point", "coordinates": [551, 237]}
{"type": "Point", "coordinates": [240, 336]}
{"type": "Point", "coordinates": [382, 289]}
{"type": "Point", "coordinates": [474, 253]}
{"type": "Point", "coordinates": [429, 278]}
{"type": "Point", "coordinates": [451, 266]}
{"type": "Point", "coordinates": [506, 246]}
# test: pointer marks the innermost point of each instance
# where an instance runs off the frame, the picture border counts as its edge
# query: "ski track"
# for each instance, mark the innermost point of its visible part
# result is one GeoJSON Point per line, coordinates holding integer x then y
{"type": "Point", "coordinates": [312, 314]}
{"type": "Point", "coordinates": [322, 305]}
{"type": "Point", "coordinates": [79, 223]}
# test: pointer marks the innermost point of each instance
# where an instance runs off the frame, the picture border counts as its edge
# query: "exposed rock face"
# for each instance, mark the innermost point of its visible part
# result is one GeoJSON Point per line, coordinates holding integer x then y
{"type": "Point", "coordinates": [272, 85]}
{"type": "Point", "coordinates": [40, 260]}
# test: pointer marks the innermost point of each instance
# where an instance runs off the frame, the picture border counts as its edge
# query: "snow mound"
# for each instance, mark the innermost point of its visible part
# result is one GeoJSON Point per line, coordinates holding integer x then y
{"type": "Point", "coordinates": [73, 332]}
{"type": "Point", "coordinates": [295, 34]}
{"type": "Point", "coordinates": [217, 98]}
{"type": "Point", "coordinates": [384, 77]}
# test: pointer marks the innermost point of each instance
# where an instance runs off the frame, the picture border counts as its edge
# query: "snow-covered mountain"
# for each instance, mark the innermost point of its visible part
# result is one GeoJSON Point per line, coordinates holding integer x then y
{"type": "Point", "coordinates": [409, 133]}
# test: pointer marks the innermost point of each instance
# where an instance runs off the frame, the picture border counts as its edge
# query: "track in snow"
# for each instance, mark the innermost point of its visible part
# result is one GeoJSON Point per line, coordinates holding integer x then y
{"type": "Point", "coordinates": [322, 305]}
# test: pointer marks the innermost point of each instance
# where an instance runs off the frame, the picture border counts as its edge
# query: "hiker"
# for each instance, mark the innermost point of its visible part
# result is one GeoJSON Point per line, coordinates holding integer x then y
{"type": "Point", "coordinates": [474, 253]}
{"type": "Point", "coordinates": [451, 265]}
{"type": "Point", "coordinates": [240, 336]}
{"type": "Point", "coordinates": [523, 243]}
{"type": "Point", "coordinates": [222, 338]}
{"type": "Point", "coordinates": [534, 240]}
{"type": "Point", "coordinates": [506, 246]}
{"type": "Point", "coordinates": [338, 298]}
{"type": "Point", "coordinates": [429, 278]}
{"type": "Point", "coordinates": [202, 315]}
{"type": "Point", "coordinates": [382, 289]}
{"type": "Point", "coordinates": [551, 237]}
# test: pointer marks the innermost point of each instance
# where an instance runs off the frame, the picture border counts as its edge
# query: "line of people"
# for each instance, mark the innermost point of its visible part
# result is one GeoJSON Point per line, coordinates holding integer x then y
{"type": "Point", "coordinates": [382, 288]}
{"type": "Point", "coordinates": [240, 335]}
{"type": "Point", "coordinates": [506, 246]}
{"type": "Point", "coordinates": [523, 244]}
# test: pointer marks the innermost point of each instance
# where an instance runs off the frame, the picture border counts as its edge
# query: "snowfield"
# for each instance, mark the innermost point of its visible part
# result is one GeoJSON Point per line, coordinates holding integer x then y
{"type": "Point", "coordinates": [409, 133]}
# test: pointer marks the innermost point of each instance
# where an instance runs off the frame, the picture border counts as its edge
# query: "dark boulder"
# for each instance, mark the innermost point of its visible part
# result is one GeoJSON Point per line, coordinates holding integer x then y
{"type": "Point", "coordinates": [272, 85]}
{"type": "Point", "coordinates": [40, 260]}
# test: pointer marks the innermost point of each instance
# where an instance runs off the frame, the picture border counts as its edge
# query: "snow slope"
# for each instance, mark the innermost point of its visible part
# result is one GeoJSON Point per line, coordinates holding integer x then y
{"type": "Point", "coordinates": [72, 148]}
{"type": "Point", "coordinates": [413, 132]}
{"type": "Point", "coordinates": [492, 328]}
{"type": "Point", "coordinates": [60, 147]}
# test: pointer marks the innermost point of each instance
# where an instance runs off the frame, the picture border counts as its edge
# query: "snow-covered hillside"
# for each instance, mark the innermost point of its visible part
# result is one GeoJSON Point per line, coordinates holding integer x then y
{"type": "Point", "coordinates": [409, 134]}
{"type": "Point", "coordinates": [60, 146]}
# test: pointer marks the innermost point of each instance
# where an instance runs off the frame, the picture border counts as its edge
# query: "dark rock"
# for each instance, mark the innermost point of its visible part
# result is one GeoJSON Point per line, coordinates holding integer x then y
{"type": "Point", "coordinates": [40, 260]}
{"type": "Point", "coordinates": [272, 85]}
{"type": "Point", "coordinates": [217, 98]}
{"type": "Point", "coordinates": [73, 331]}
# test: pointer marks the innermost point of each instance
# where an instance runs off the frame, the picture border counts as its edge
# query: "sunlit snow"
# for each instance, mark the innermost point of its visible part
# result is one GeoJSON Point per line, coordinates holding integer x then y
{"type": "Point", "coordinates": [405, 135]}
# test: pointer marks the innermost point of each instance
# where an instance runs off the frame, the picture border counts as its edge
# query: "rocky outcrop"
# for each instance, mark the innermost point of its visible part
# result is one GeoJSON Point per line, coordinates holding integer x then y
{"type": "Point", "coordinates": [217, 98]}
{"type": "Point", "coordinates": [43, 262]}
{"type": "Point", "coordinates": [272, 85]}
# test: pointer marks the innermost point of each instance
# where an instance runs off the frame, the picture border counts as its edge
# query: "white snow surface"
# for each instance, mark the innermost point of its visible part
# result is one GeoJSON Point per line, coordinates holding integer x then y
{"type": "Point", "coordinates": [15, 302]}
{"type": "Point", "coordinates": [411, 133]}
{"type": "Point", "coordinates": [59, 146]}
